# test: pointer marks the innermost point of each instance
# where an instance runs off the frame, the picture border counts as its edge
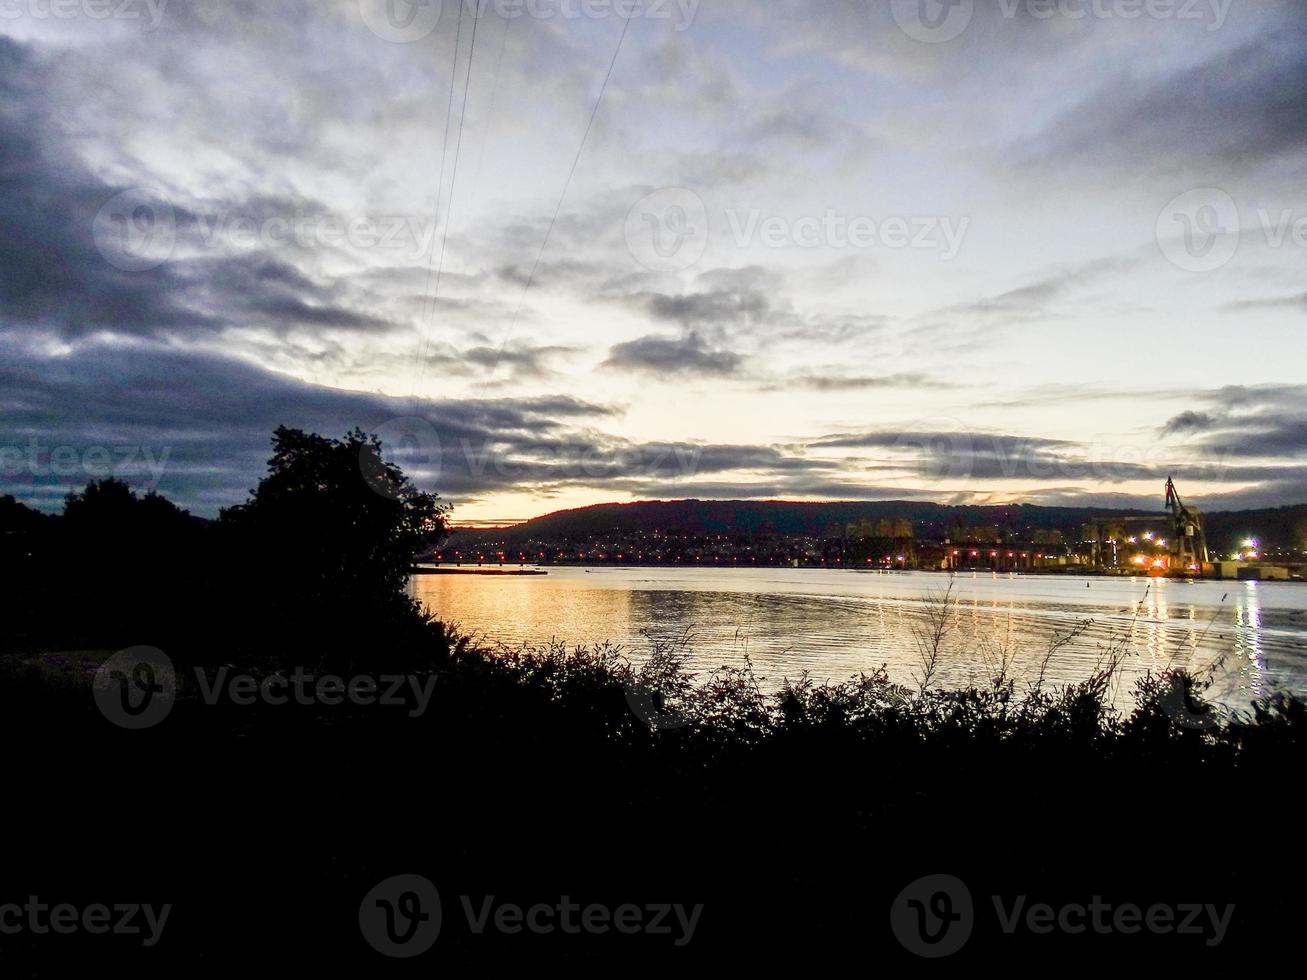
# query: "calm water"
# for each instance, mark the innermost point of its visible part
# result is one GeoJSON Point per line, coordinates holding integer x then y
{"type": "Point", "coordinates": [835, 624]}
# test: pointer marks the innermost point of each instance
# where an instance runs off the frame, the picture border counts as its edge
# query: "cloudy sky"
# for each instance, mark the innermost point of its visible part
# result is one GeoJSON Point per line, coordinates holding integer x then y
{"type": "Point", "coordinates": [822, 249]}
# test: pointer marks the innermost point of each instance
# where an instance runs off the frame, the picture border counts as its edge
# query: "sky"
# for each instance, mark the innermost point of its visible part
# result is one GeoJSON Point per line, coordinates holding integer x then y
{"type": "Point", "coordinates": [972, 251]}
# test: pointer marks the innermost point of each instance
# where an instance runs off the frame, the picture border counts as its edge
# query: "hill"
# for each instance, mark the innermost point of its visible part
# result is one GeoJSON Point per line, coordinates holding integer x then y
{"type": "Point", "coordinates": [1280, 527]}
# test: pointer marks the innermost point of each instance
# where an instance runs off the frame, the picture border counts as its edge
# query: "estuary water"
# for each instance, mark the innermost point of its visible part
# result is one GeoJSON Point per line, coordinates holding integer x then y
{"type": "Point", "coordinates": [834, 624]}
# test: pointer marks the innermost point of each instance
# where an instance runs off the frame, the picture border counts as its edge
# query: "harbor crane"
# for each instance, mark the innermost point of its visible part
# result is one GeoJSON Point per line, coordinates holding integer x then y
{"type": "Point", "coordinates": [1188, 536]}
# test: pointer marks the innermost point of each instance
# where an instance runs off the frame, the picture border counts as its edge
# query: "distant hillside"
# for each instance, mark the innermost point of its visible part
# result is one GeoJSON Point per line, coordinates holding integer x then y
{"type": "Point", "coordinates": [1282, 527]}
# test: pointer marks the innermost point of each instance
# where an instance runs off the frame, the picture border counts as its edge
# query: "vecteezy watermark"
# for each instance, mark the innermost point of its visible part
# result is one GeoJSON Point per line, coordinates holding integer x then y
{"type": "Point", "coordinates": [414, 445]}
{"type": "Point", "coordinates": [140, 229]}
{"type": "Point", "coordinates": [136, 230]}
{"type": "Point", "coordinates": [406, 21]}
{"type": "Point", "coordinates": [64, 919]}
{"type": "Point", "coordinates": [668, 230]}
{"type": "Point", "coordinates": [941, 450]}
{"type": "Point", "coordinates": [832, 229]}
{"type": "Point", "coordinates": [411, 444]}
{"type": "Point", "coordinates": [1212, 13]}
{"type": "Point", "coordinates": [937, 21]}
{"type": "Point", "coordinates": [412, 235]}
{"type": "Point", "coordinates": [36, 460]}
{"type": "Point", "coordinates": [136, 688]}
{"type": "Point", "coordinates": [402, 917]}
{"type": "Point", "coordinates": [574, 461]}
{"type": "Point", "coordinates": [401, 21]}
{"type": "Point", "coordinates": [1184, 709]}
{"type": "Point", "coordinates": [648, 704]}
{"type": "Point", "coordinates": [932, 21]}
{"type": "Point", "coordinates": [934, 917]}
{"type": "Point", "coordinates": [1201, 230]}
{"type": "Point", "coordinates": [361, 690]}
{"type": "Point", "coordinates": [148, 13]}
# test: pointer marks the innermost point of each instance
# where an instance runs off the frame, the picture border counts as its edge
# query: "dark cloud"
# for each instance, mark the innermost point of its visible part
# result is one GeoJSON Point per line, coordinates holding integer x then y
{"type": "Point", "coordinates": [1189, 422]}
{"type": "Point", "coordinates": [688, 354]}
{"type": "Point", "coordinates": [1242, 107]}
{"type": "Point", "coordinates": [207, 421]}
{"type": "Point", "coordinates": [57, 251]}
{"type": "Point", "coordinates": [522, 360]}
{"type": "Point", "coordinates": [198, 427]}
{"type": "Point", "coordinates": [1249, 422]}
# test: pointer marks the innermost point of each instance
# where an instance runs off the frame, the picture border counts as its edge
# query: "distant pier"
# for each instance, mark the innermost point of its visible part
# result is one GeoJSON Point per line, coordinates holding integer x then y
{"type": "Point", "coordinates": [474, 570]}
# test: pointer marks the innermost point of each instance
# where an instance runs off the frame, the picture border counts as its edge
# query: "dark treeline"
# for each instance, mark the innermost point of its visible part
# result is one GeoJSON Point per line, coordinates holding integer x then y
{"type": "Point", "coordinates": [310, 569]}
{"type": "Point", "coordinates": [794, 818]}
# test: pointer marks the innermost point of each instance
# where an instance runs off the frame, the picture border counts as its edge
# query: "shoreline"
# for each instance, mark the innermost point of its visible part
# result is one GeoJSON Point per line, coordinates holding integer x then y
{"type": "Point", "coordinates": [1068, 572]}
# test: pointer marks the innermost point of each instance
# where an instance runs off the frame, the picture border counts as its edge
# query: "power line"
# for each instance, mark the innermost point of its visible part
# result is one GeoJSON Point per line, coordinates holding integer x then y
{"type": "Point", "coordinates": [568, 183]}
{"type": "Point", "coordinates": [458, 153]}
{"type": "Point", "coordinates": [440, 188]}
{"type": "Point", "coordinates": [494, 101]}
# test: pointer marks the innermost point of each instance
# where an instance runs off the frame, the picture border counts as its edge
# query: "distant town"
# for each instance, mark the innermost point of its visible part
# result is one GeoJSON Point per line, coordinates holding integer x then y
{"type": "Point", "coordinates": [1179, 541]}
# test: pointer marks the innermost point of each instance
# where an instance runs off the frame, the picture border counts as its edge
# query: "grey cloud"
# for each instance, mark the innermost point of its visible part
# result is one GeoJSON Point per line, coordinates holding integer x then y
{"type": "Point", "coordinates": [57, 276]}
{"type": "Point", "coordinates": [1298, 301]}
{"type": "Point", "coordinates": [1240, 108]}
{"type": "Point", "coordinates": [688, 354]}
{"type": "Point", "coordinates": [833, 380]}
{"type": "Point", "coordinates": [1190, 422]}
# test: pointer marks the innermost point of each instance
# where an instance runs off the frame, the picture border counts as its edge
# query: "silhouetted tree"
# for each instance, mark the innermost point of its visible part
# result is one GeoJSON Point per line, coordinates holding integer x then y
{"type": "Point", "coordinates": [325, 545]}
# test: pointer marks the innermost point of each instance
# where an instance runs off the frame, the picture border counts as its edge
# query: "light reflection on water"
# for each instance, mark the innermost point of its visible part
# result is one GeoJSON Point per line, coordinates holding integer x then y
{"type": "Point", "coordinates": [834, 624]}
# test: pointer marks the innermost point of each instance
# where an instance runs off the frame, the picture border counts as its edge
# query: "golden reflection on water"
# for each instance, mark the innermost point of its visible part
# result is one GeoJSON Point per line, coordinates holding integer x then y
{"type": "Point", "coordinates": [834, 624]}
{"type": "Point", "coordinates": [1248, 639]}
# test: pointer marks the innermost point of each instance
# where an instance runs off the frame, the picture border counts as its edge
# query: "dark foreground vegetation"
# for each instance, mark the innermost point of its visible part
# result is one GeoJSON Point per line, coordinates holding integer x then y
{"type": "Point", "coordinates": [794, 818]}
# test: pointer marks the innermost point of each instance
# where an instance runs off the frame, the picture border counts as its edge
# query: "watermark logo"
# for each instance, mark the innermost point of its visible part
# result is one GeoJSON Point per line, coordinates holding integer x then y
{"type": "Point", "coordinates": [136, 688]}
{"type": "Point", "coordinates": [1211, 922]}
{"type": "Point", "coordinates": [667, 231]}
{"type": "Point", "coordinates": [937, 450]}
{"type": "Point", "coordinates": [648, 704]}
{"type": "Point", "coordinates": [401, 21]}
{"type": "Point", "coordinates": [136, 230]}
{"type": "Point", "coordinates": [64, 919]}
{"type": "Point", "coordinates": [410, 691]}
{"type": "Point", "coordinates": [226, 229]}
{"type": "Point", "coordinates": [1185, 710]}
{"type": "Point", "coordinates": [36, 460]}
{"type": "Point", "coordinates": [933, 917]}
{"type": "Point", "coordinates": [209, 11]}
{"type": "Point", "coordinates": [832, 229]}
{"type": "Point", "coordinates": [148, 13]}
{"type": "Point", "coordinates": [401, 916]}
{"type": "Point", "coordinates": [1212, 12]}
{"type": "Point", "coordinates": [412, 444]}
{"type": "Point", "coordinates": [1199, 231]}
{"type": "Point", "coordinates": [933, 21]}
